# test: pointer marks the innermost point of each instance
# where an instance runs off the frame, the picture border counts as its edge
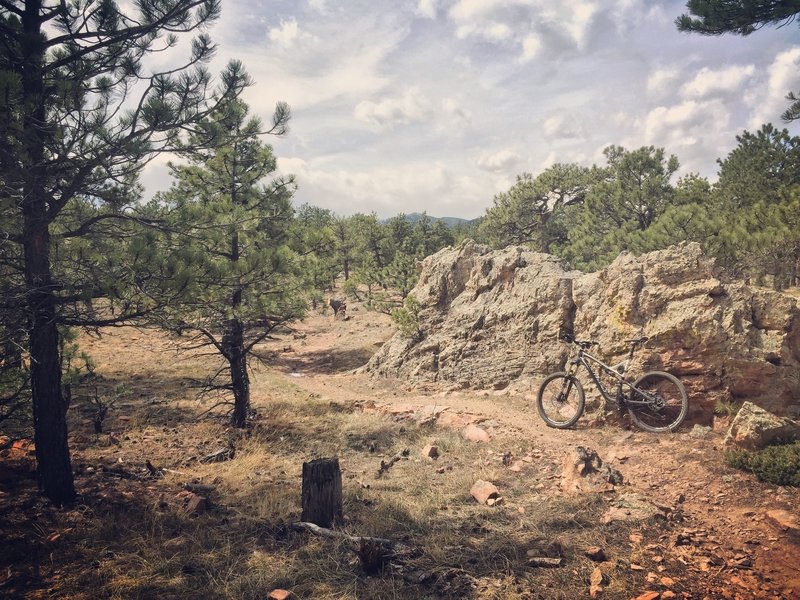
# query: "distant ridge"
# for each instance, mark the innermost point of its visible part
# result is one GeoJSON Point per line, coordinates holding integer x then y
{"type": "Point", "coordinates": [449, 221]}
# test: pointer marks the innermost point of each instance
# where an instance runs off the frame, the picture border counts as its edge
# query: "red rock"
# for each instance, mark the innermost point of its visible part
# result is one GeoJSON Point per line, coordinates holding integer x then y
{"type": "Point", "coordinates": [785, 520]}
{"type": "Point", "coordinates": [597, 578]}
{"type": "Point", "coordinates": [649, 596]}
{"type": "Point", "coordinates": [279, 594]}
{"type": "Point", "coordinates": [197, 505]}
{"type": "Point", "coordinates": [483, 490]}
{"type": "Point", "coordinates": [473, 433]}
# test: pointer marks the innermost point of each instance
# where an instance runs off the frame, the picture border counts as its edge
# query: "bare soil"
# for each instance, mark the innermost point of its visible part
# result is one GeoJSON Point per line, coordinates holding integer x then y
{"type": "Point", "coordinates": [134, 534]}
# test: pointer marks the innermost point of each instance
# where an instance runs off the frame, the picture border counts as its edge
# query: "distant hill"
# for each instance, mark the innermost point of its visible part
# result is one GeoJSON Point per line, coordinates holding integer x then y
{"type": "Point", "coordinates": [449, 221]}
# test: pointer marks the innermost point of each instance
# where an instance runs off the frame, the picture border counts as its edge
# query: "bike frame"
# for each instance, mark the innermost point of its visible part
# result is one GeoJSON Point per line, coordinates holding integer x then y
{"type": "Point", "coordinates": [583, 359]}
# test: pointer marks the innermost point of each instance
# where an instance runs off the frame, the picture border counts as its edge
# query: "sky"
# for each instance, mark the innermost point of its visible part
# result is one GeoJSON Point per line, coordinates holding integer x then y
{"type": "Point", "coordinates": [437, 105]}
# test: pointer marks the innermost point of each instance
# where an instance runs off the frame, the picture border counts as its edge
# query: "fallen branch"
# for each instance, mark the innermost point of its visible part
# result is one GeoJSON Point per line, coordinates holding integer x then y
{"type": "Point", "coordinates": [220, 455]}
{"type": "Point", "coordinates": [325, 532]}
{"type": "Point", "coordinates": [385, 466]}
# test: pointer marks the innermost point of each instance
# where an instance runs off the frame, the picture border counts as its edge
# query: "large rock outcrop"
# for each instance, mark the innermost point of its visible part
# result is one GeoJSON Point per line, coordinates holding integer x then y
{"type": "Point", "coordinates": [491, 317]}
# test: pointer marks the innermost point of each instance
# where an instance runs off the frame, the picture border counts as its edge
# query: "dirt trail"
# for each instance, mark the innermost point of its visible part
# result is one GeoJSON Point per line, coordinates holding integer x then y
{"type": "Point", "coordinates": [721, 532]}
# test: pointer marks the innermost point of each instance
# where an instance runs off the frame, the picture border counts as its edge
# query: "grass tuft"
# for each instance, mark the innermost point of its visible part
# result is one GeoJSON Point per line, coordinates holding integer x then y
{"type": "Point", "coordinates": [779, 465]}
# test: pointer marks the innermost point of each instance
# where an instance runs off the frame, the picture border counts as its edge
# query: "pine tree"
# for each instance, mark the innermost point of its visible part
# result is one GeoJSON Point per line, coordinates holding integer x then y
{"type": "Point", "coordinates": [80, 117]}
{"type": "Point", "coordinates": [232, 240]}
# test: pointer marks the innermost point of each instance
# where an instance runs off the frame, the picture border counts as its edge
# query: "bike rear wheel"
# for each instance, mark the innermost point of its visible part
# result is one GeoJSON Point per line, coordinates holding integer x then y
{"type": "Point", "coordinates": [560, 401]}
{"type": "Point", "coordinates": [664, 404]}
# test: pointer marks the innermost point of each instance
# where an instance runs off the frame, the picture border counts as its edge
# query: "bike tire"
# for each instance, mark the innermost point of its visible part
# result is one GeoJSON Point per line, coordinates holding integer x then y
{"type": "Point", "coordinates": [560, 401]}
{"type": "Point", "coordinates": [666, 417]}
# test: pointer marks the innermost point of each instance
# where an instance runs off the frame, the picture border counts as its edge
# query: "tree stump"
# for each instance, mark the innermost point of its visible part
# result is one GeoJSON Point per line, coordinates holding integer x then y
{"type": "Point", "coordinates": [322, 492]}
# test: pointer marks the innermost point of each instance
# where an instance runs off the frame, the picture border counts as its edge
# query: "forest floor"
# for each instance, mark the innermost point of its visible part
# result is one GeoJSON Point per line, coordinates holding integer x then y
{"type": "Point", "coordinates": [682, 525]}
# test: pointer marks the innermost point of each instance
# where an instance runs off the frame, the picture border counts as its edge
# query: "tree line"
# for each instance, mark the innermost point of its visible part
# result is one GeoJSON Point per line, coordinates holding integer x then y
{"type": "Point", "coordinates": [749, 219]}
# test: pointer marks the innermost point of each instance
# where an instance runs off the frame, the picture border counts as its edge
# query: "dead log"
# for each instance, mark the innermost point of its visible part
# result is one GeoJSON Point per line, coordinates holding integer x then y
{"type": "Point", "coordinates": [321, 495]}
{"type": "Point", "coordinates": [326, 532]}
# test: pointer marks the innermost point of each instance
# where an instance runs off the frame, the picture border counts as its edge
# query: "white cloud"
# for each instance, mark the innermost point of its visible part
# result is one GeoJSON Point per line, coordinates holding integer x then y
{"type": "Point", "coordinates": [385, 114]}
{"type": "Point", "coordinates": [319, 5]}
{"type": "Point", "coordinates": [499, 161]}
{"type": "Point", "coordinates": [530, 48]}
{"type": "Point", "coordinates": [389, 190]}
{"type": "Point", "coordinates": [454, 109]}
{"type": "Point", "coordinates": [427, 9]}
{"type": "Point", "coordinates": [286, 34]}
{"type": "Point", "coordinates": [684, 124]}
{"type": "Point", "coordinates": [579, 19]}
{"type": "Point", "coordinates": [661, 82]}
{"type": "Point", "coordinates": [709, 82]}
{"type": "Point", "coordinates": [563, 127]}
{"type": "Point", "coordinates": [768, 99]}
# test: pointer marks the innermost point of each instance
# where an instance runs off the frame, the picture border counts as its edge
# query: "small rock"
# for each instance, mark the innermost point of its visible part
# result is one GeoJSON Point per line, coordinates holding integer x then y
{"type": "Point", "coordinates": [483, 490]}
{"type": "Point", "coordinates": [649, 596]}
{"type": "Point", "coordinates": [667, 581]}
{"type": "Point", "coordinates": [785, 520]}
{"type": "Point", "coordinates": [700, 431]}
{"type": "Point", "coordinates": [430, 451]}
{"type": "Point", "coordinates": [197, 505]}
{"type": "Point", "coordinates": [668, 594]}
{"type": "Point", "coordinates": [597, 578]}
{"type": "Point", "coordinates": [473, 433]}
{"type": "Point", "coordinates": [279, 594]}
{"type": "Point", "coordinates": [754, 428]}
{"type": "Point", "coordinates": [595, 553]}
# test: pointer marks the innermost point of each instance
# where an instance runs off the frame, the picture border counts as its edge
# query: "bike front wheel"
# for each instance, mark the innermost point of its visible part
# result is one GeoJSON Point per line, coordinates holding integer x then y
{"type": "Point", "coordinates": [560, 400]}
{"type": "Point", "coordinates": [658, 402]}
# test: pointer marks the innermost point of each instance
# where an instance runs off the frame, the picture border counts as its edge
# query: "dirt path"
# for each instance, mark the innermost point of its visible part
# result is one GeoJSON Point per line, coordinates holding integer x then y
{"type": "Point", "coordinates": [720, 532]}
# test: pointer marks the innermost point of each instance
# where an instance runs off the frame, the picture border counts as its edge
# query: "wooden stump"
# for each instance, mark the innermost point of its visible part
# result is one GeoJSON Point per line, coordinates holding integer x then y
{"type": "Point", "coordinates": [322, 492]}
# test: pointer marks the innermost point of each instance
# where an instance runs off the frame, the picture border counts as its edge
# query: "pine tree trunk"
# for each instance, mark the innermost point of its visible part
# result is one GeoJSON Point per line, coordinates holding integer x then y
{"type": "Point", "coordinates": [322, 492]}
{"type": "Point", "coordinates": [240, 380]}
{"type": "Point", "coordinates": [54, 469]}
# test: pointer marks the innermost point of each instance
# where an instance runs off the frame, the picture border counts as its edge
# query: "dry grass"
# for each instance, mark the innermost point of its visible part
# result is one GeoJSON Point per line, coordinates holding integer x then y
{"type": "Point", "coordinates": [133, 538]}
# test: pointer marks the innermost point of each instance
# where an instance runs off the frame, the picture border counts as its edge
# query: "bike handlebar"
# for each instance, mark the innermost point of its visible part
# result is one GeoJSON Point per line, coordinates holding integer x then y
{"type": "Point", "coordinates": [570, 339]}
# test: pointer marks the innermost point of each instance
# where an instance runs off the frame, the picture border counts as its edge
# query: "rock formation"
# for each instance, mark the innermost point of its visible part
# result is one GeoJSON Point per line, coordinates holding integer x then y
{"type": "Point", "coordinates": [491, 317]}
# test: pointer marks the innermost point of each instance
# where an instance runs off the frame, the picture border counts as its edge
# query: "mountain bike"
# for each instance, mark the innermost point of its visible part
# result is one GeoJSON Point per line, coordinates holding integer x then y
{"type": "Point", "coordinates": [656, 401]}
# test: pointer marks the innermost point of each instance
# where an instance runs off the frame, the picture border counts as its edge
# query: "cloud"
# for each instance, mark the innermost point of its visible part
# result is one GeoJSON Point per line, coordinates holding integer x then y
{"type": "Point", "coordinates": [456, 111]}
{"type": "Point", "coordinates": [285, 35]}
{"type": "Point", "coordinates": [499, 161]}
{"type": "Point", "coordinates": [319, 6]}
{"type": "Point", "coordinates": [427, 9]}
{"type": "Point", "coordinates": [768, 99]}
{"type": "Point", "coordinates": [661, 82]}
{"type": "Point", "coordinates": [709, 82]}
{"type": "Point", "coordinates": [388, 190]}
{"type": "Point", "coordinates": [389, 112]}
{"type": "Point", "coordinates": [685, 124]}
{"type": "Point", "coordinates": [563, 127]}
{"type": "Point", "coordinates": [530, 47]}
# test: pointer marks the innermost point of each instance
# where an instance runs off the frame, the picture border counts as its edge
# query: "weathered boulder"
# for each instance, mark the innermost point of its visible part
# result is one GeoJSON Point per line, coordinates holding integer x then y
{"type": "Point", "coordinates": [754, 428]}
{"type": "Point", "coordinates": [490, 317]}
